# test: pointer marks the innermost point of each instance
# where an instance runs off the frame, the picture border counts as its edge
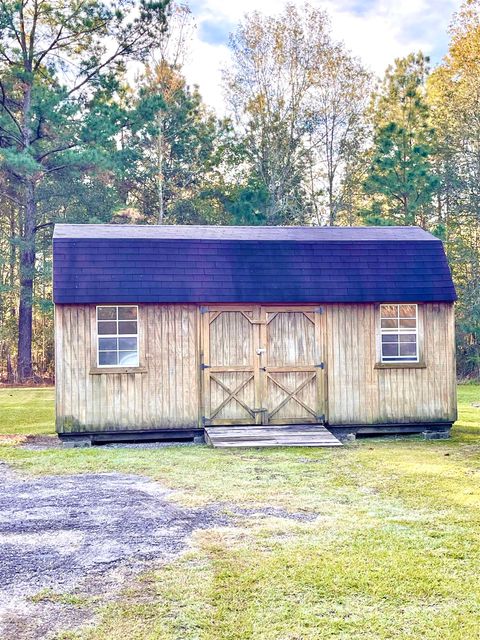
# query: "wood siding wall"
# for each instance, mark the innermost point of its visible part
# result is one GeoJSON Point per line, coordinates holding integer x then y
{"type": "Point", "coordinates": [359, 393]}
{"type": "Point", "coordinates": [165, 392]}
{"type": "Point", "coordinates": [164, 395]}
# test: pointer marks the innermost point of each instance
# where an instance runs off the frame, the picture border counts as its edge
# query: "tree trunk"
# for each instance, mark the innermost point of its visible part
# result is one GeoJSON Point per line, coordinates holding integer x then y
{"type": "Point", "coordinates": [27, 268]}
{"type": "Point", "coordinates": [10, 376]}
{"type": "Point", "coordinates": [160, 143]}
{"type": "Point", "coordinates": [331, 203]}
{"type": "Point", "coordinates": [27, 247]}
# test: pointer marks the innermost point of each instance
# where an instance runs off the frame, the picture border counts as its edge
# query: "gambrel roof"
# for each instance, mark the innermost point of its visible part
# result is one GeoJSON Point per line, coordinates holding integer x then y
{"type": "Point", "coordinates": [205, 264]}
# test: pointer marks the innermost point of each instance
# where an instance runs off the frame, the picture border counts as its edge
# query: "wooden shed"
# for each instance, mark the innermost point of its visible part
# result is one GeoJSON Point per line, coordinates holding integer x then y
{"type": "Point", "coordinates": [163, 331]}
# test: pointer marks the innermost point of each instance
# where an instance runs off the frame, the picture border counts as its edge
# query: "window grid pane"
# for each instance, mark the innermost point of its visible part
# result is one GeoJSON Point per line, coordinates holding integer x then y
{"type": "Point", "coordinates": [107, 313]}
{"type": "Point", "coordinates": [106, 358]}
{"type": "Point", "coordinates": [117, 329]}
{"type": "Point", "coordinates": [398, 326]}
{"type": "Point", "coordinates": [127, 313]}
{"type": "Point", "coordinates": [108, 344]}
{"type": "Point", "coordinates": [127, 327]}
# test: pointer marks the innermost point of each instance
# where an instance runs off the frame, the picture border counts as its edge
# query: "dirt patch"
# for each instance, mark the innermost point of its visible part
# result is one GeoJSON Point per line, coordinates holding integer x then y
{"type": "Point", "coordinates": [12, 440]}
{"type": "Point", "coordinates": [80, 539]}
{"type": "Point", "coordinates": [41, 442]}
{"type": "Point", "coordinates": [273, 512]}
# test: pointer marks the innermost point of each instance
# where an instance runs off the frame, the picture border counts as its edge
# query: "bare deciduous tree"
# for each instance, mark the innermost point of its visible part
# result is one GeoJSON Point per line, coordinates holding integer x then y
{"type": "Point", "coordinates": [298, 100]}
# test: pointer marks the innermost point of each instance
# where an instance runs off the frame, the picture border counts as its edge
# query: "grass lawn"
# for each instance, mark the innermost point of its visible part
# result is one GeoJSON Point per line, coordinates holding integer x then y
{"type": "Point", "coordinates": [26, 410]}
{"type": "Point", "coordinates": [390, 550]}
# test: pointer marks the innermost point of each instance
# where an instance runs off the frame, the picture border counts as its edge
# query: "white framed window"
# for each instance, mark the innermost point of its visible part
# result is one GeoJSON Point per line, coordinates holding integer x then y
{"type": "Point", "coordinates": [399, 332]}
{"type": "Point", "coordinates": [117, 336]}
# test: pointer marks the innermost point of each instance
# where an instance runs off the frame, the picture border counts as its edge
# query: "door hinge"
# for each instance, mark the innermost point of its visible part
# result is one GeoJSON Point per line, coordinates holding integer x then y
{"type": "Point", "coordinates": [204, 366]}
{"type": "Point", "coordinates": [320, 310]}
{"type": "Point", "coordinates": [203, 310]}
{"type": "Point", "coordinates": [205, 421]}
{"type": "Point", "coordinates": [321, 365]}
{"type": "Point", "coordinates": [321, 418]}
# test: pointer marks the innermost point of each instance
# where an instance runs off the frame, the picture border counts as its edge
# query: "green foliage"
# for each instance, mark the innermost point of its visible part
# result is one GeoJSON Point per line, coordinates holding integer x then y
{"type": "Point", "coordinates": [419, 169]}
{"type": "Point", "coordinates": [169, 161]}
{"type": "Point", "coordinates": [401, 178]}
{"type": "Point", "coordinates": [401, 172]}
{"type": "Point", "coordinates": [248, 203]}
{"type": "Point", "coordinates": [60, 64]}
{"type": "Point", "coordinates": [453, 90]}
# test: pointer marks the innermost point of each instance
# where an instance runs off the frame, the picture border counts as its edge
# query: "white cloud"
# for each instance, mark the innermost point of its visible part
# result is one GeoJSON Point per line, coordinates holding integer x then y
{"type": "Point", "coordinates": [375, 30]}
{"type": "Point", "coordinates": [204, 68]}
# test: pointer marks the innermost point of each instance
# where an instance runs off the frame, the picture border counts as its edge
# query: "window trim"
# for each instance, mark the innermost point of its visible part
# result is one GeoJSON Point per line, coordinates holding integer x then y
{"type": "Point", "coordinates": [398, 362]}
{"type": "Point", "coordinates": [115, 367]}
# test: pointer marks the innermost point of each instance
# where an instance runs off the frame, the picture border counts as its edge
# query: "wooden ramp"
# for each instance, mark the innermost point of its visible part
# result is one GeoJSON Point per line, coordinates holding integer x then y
{"type": "Point", "coordinates": [291, 435]}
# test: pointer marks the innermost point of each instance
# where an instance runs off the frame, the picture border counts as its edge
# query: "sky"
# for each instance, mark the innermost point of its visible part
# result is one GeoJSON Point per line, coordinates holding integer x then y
{"type": "Point", "coordinates": [377, 31]}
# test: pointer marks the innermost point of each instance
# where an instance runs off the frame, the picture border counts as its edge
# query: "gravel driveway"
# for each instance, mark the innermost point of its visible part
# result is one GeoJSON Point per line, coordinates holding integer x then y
{"type": "Point", "coordinates": [85, 534]}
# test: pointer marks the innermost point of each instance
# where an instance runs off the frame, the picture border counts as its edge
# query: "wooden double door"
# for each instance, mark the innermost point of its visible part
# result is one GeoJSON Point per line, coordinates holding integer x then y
{"type": "Point", "coordinates": [262, 365]}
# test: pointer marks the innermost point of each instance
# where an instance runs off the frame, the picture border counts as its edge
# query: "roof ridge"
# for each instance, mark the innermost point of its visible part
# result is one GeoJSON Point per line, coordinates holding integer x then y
{"type": "Point", "coordinates": [242, 233]}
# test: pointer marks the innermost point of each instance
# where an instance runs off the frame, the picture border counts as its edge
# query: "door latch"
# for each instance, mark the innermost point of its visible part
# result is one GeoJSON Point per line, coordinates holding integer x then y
{"type": "Point", "coordinates": [260, 350]}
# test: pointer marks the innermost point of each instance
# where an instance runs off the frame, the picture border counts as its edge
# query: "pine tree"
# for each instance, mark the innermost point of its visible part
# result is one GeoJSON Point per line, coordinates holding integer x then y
{"type": "Point", "coordinates": [170, 151]}
{"type": "Point", "coordinates": [401, 180]}
{"type": "Point", "coordinates": [54, 59]}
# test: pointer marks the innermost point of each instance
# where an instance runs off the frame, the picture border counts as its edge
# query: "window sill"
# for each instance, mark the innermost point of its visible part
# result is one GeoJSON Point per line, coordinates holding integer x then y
{"type": "Point", "coordinates": [400, 365]}
{"type": "Point", "coordinates": [98, 370]}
